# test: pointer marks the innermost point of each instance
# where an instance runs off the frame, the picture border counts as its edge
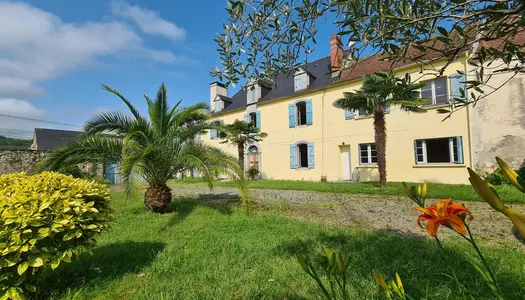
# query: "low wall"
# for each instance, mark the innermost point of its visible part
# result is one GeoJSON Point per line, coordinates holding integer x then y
{"type": "Point", "coordinates": [12, 161]}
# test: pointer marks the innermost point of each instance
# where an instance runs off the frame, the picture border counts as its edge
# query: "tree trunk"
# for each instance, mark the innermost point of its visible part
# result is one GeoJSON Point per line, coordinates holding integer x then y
{"type": "Point", "coordinates": [240, 152]}
{"type": "Point", "coordinates": [380, 139]}
{"type": "Point", "coordinates": [157, 199]}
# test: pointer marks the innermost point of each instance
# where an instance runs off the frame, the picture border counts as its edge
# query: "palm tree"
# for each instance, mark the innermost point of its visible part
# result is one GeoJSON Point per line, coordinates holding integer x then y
{"type": "Point", "coordinates": [154, 148]}
{"type": "Point", "coordinates": [379, 92]}
{"type": "Point", "coordinates": [238, 134]}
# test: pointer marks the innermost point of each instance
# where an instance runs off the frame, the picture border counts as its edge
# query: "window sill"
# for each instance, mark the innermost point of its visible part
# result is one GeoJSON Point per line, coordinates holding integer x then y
{"type": "Point", "coordinates": [301, 126]}
{"type": "Point", "coordinates": [435, 106]}
{"type": "Point", "coordinates": [367, 166]}
{"type": "Point", "coordinates": [439, 166]}
{"type": "Point", "coordinates": [363, 117]}
{"type": "Point", "coordinates": [303, 169]}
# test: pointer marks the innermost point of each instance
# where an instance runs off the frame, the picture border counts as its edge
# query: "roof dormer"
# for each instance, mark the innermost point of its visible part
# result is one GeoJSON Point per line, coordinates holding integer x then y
{"type": "Point", "coordinates": [302, 79]}
{"type": "Point", "coordinates": [256, 89]}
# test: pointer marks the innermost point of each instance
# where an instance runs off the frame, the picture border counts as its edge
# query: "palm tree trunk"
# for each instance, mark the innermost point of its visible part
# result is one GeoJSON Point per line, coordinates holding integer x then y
{"type": "Point", "coordinates": [157, 198]}
{"type": "Point", "coordinates": [240, 152]}
{"type": "Point", "coordinates": [380, 139]}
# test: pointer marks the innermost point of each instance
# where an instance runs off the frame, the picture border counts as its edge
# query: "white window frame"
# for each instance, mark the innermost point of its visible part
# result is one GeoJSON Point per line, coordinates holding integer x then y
{"type": "Point", "coordinates": [299, 82]}
{"type": "Point", "coordinates": [251, 94]}
{"type": "Point", "coordinates": [433, 89]}
{"type": "Point", "coordinates": [219, 105]}
{"type": "Point", "coordinates": [369, 155]}
{"type": "Point", "coordinates": [451, 151]}
{"type": "Point", "coordinates": [298, 156]}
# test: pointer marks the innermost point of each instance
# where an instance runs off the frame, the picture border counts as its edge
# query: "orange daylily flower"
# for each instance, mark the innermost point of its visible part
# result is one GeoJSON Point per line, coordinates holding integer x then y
{"type": "Point", "coordinates": [443, 213]}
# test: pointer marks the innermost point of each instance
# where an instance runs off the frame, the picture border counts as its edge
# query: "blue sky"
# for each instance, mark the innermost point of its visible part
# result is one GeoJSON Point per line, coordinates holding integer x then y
{"type": "Point", "coordinates": [55, 54]}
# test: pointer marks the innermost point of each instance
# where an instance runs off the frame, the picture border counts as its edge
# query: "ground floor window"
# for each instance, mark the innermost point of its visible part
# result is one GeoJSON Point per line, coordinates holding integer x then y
{"type": "Point", "coordinates": [367, 154]}
{"type": "Point", "coordinates": [439, 150]}
{"type": "Point", "coordinates": [302, 155]}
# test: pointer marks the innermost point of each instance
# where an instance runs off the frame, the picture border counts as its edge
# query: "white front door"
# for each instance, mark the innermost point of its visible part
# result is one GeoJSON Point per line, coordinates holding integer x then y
{"type": "Point", "coordinates": [347, 171]}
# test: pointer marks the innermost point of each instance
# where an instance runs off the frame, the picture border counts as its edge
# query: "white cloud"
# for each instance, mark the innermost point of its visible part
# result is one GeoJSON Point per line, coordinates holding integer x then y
{"type": "Point", "coordinates": [11, 86]}
{"type": "Point", "coordinates": [19, 127]}
{"type": "Point", "coordinates": [36, 46]}
{"type": "Point", "coordinates": [150, 22]}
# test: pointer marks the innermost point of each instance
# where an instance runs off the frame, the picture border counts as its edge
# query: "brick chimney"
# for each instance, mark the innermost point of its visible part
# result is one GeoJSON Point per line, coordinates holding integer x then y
{"type": "Point", "coordinates": [336, 53]}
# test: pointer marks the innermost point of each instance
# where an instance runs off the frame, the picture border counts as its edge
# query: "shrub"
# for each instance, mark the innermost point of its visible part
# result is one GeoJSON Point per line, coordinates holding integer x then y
{"type": "Point", "coordinates": [497, 178]}
{"type": "Point", "coordinates": [45, 219]}
{"type": "Point", "coordinates": [253, 173]}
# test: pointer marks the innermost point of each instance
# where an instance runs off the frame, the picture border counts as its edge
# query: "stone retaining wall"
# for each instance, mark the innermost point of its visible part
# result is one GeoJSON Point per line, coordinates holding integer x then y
{"type": "Point", "coordinates": [12, 161]}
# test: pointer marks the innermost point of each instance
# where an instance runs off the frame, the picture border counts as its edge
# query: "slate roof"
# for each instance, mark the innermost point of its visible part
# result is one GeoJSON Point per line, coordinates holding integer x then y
{"type": "Point", "coordinates": [50, 139]}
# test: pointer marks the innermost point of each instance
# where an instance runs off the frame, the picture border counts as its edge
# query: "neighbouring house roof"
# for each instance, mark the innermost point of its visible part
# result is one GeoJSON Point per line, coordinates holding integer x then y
{"type": "Point", "coordinates": [224, 98]}
{"type": "Point", "coordinates": [50, 139]}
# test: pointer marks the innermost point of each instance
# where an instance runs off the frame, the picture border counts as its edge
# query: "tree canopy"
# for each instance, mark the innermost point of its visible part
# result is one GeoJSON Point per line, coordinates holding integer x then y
{"type": "Point", "coordinates": [264, 38]}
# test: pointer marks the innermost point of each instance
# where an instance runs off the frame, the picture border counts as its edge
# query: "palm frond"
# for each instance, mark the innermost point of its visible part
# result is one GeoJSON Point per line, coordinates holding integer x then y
{"type": "Point", "coordinates": [132, 108]}
{"type": "Point", "coordinates": [87, 149]}
{"type": "Point", "coordinates": [112, 122]}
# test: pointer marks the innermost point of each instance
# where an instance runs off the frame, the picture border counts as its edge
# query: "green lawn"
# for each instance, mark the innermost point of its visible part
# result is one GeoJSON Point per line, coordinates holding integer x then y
{"type": "Point", "coordinates": [212, 251]}
{"type": "Point", "coordinates": [508, 193]}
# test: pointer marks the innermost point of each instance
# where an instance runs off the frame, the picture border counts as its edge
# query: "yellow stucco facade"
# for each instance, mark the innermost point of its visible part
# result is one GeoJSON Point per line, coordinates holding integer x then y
{"type": "Point", "coordinates": [335, 140]}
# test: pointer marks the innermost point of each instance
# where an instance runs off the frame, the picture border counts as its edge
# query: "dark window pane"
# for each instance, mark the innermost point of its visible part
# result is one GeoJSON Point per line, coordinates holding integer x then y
{"type": "Point", "coordinates": [303, 155]}
{"type": "Point", "coordinates": [438, 150]}
{"type": "Point", "coordinates": [301, 113]}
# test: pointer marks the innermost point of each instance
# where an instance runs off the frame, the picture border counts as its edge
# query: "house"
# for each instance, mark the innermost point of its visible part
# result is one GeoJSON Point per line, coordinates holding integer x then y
{"type": "Point", "coordinates": [45, 139]}
{"type": "Point", "coordinates": [50, 139]}
{"type": "Point", "coordinates": [308, 137]}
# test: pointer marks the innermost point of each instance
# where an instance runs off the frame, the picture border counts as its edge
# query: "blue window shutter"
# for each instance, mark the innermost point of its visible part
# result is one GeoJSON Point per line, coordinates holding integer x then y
{"type": "Point", "coordinates": [246, 118]}
{"type": "Point", "coordinates": [459, 141]}
{"type": "Point", "coordinates": [349, 114]}
{"type": "Point", "coordinates": [291, 115]}
{"type": "Point", "coordinates": [309, 112]}
{"type": "Point", "coordinates": [212, 134]}
{"type": "Point", "coordinates": [258, 120]}
{"type": "Point", "coordinates": [293, 158]}
{"type": "Point", "coordinates": [311, 156]}
{"type": "Point", "coordinates": [387, 110]}
{"type": "Point", "coordinates": [458, 84]}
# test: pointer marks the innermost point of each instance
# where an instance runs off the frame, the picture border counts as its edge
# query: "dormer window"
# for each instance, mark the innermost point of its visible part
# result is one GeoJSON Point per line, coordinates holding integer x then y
{"type": "Point", "coordinates": [251, 94]}
{"type": "Point", "coordinates": [302, 79]}
{"type": "Point", "coordinates": [300, 83]}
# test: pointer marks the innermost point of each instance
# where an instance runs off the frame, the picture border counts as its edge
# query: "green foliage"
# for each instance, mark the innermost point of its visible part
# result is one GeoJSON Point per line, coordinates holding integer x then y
{"type": "Point", "coordinates": [7, 142]}
{"type": "Point", "coordinates": [45, 219]}
{"type": "Point", "coordinates": [324, 179]}
{"type": "Point", "coordinates": [497, 178]}
{"type": "Point", "coordinates": [253, 173]}
{"type": "Point", "coordinates": [331, 266]}
{"type": "Point", "coordinates": [154, 147]}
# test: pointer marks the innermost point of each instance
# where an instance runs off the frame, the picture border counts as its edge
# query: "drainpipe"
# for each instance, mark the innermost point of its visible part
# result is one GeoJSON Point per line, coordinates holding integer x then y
{"type": "Point", "coordinates": [471, 154]}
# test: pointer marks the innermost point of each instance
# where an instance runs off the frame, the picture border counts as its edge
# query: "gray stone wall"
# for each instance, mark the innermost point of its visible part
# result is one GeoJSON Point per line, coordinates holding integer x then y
{"type": "Point", "coordinates": [12, 161]}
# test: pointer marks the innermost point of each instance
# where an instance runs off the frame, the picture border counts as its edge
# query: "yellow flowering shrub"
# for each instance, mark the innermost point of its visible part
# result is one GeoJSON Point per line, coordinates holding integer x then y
{"type": "Point", "coordinates": [45, 219]}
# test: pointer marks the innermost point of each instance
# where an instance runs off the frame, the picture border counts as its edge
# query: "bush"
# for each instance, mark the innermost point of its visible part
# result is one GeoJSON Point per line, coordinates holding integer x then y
{"type": "Point", "coordinates": [45, 219]}
{"type": "Point", "coordinates": [253, 173]}
{"type": "Point", "coordinates": [497, 178]}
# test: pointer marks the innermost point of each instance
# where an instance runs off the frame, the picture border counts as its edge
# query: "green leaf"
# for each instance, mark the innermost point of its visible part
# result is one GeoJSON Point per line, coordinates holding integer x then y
{"type": "Point", "coordinates": [22, 268]}
{"type": "Point", "coordinates": [36, 262]}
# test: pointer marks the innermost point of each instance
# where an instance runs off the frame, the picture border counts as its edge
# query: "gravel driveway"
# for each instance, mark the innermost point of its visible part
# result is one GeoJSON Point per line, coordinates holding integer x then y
{"type": "Point", "coordinates": [390, 213]}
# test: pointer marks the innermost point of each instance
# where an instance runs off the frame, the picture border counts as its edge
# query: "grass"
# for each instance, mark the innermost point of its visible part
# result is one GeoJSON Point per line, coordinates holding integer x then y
{"type": "Point", "coordinates": [508, 193]}
{"type": "Point", "coordinates": [206, 250]}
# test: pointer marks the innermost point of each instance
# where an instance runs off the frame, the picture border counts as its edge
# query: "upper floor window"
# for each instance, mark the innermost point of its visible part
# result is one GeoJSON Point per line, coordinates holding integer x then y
{"type": "Point", "coordinates": [300, 113]}
{"type": "Point", "coordinates": [435, 92]}
{"type": "Point", "coordinates": [367, 154]}
{"type": "Point", "coordinates": [219, 105]}
{"type": "Point", "coordinates": [439, 150]}
{"type": "Point", "coordinates": [300, 82]}
{"type": "Point", "coordinates": [251, 95]}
